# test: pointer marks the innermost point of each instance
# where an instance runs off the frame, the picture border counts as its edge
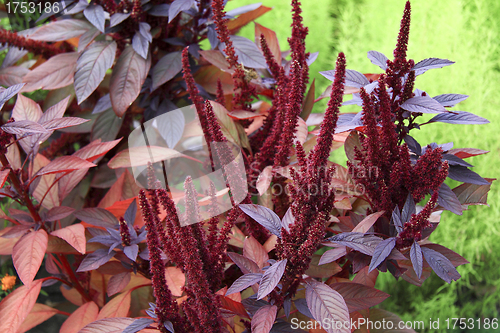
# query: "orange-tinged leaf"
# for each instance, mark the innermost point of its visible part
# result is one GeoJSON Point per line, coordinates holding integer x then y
{"type": "Point", "coordinates": [254, 251]}
{"type": "Point", "coordinates": [124, 188]}
{"type": "Point", "coordinates": [107, 325]}
{"type": "Point", "coordinates": [245, 18]}
{"type": "Point", "coordinates": [216, 58]}
{"type": "Point", "coordinates": [117, 307]}
{"type": "Point", "coordinates": [137, 156]}
{"type": "Point", "coordinates": [38, 314]}
{"type": "Point", "coordinates": [26, 109]}
{"type": "Point", "coordinates": [3, 177]}
{"type": "Point", "coordinates": [28, 253]}
{"type": "Point", "coordinates": [72, 295]}
{"type": "Point", "coordinates": [264, 318]}
{"type": "Point", "coordinates": [57, 72]}
{"type": "Point", "coordinates": [301, 131]}
{"type": "Point", "coordinates": [242, 114]}
{"type": "Point", "coordinates": [175, 280]}
{"type": "Point", "coordinates": [271, 39]}
{"type": "Point", "coordinates": [367, 222]}
{"type": "Point", "coordinates": [358, 297]}
{"type": "Point", "coordinates": [308, 102]}
{"type": "Point", "coordinates": [365, 278]}
{"type": "Point", "coordinates": [7, 244]}
{"type": "Point", "coordinates": [16, 306]}
{"type": "Point", "coordinates": [207, 77]}
{"type": "Point", "coordinates": [81, 317]}
{"type": "Point", "coordinates": [264, 179]}
{"type": "Point", "coordinates": [64, 164]}
{"type": "Point", "coordinates": [74, 235]}
{"type": "Point", "coordinates": [95, 149]}
{"type": "Point", "coordinates": [233, 306]}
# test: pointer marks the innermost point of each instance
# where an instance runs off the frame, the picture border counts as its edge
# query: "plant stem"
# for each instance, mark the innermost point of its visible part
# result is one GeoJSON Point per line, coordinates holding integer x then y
{"type": "Point", "coordinates": [73, 278]}
{"type": "Point", "coordinates": [20, 190]}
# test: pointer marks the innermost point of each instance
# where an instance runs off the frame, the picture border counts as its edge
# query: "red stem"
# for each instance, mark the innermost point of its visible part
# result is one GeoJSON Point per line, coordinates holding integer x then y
{"type": "Point", "coordinates": [73, 278]}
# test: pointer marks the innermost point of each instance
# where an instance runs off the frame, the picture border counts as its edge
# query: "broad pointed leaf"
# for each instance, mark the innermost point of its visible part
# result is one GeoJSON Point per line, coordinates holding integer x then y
{"type": "Point", "coordinates": [117, 307]}
{"type": "Point", "coordinates": [246, 265]}
{"type": "Point", "coordinates": [263, 319]}
{"type": "Point", "coordinates": [64, 164]}
{"type": "Point", "coordinates": [459, 117]}
{"type": "Point", "coordinates": [95, 14]}
{"type": "Point", "coordinates": [108, 325]}
{"type": "Point", "coordinates": [28, 254]}
{"type": "Point", "coordinates": [118, 282]}
{"type": "Point", "coordinates": [74, 235]}
{"type": "Point", "coordinates": [243, 282]}
{"type": "Point", "coordinates": [81, 317]}
{"type": "Point", "coordinates": [171, 126]}
{"type": "Point", "coordinates": [10, 92]}
{"type": "Point", "coordinates": [378, 59]}
{"type": "Point", "coordinates": [424, 65]}
{"type": "Point", "coordinates": [38, 314]}
{"type": "Point", "coordinates": [264, 216]}
{"type": "Point", "coordinates": [450, 100]}
{"type": "Point", "coordinates": [423, 104]}
{"type": "Point", "coordinates": [17, 305]}
{"type": "Point", "coordinates": [381, 252]}
{"type": "Point", "coordinates": [332, 255]}
{"type": "Point", "coordinates": [327, 304]}
{"type": "Point", "coordinates": [416, 258]}
{"type": "Point", "coordinates": [95, 260]}
{"type": "Point", "coordinates": [365, 244]}
{"type": "Point", "coordinates": [129, 74]}
{"type": "Point", "coordinates": [178, 6]}
{"type": "Point", "coordinates": [137, 156]}
{"type": "Point", "coordinates": [97, 216]}
{"type": "Point", "coordinates": [57, 72]}
{"type": "Point", "coordinates": [23, 127]}
{"type": "Point", "coordinates": [138, 325]}
{"type": "Point", "coordinates": [358, 296]}
{"type": "Point", "coordinates": [91, 68]}
{"type": "Point", "coordinates": [271, 278]}
{"type": "Point", "coordinates": [440, 265]}
{"type": "Point", "coordinates": [367, 222]}
{"type": "Point", "coordinates": [57, 31]}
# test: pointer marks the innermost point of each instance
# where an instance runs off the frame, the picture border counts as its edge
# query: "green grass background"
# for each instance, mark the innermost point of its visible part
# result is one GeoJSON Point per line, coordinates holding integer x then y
{"type": "Point", "coordinates": [467, 32]}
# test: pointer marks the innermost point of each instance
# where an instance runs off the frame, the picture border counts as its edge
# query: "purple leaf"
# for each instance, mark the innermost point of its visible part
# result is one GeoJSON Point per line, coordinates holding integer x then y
{"type": "Point", "coordinates": [271, 278]}
{"type": "Point", "coordinates": [166, 69]}
{"type": "Point", "coordinates": [378, 59]}
{"type": "Point", "coordinates": [95, 260]}
{"type": "Point", "coordinates": [160, 10]}
{"type": "Point", "coordinates": [91, 68]}
{"type": "Point", "coordinates": [243, 282]}
{"type": "Point", "coordinates": [332, 255]}
{"type": "Point", "coordinates": [95, 15]}
{"type": "Point", "coordinates": [140, 45]}
{"type": "Point", "coordinates": [441, 265]}
{"type": "Point", "coordinates": [248, 53]}
{"type": "Point", "coordinates": [352, 78]}
{"type": "Point", "coordinates": [416, 259]}
{"type": "Point", "coordinates": [130, 213]}
{"type": "Point", "coordinates": [462, 174]}
{"type": "Point", "coordinates": [312, 58]}
{"type": "Point", "coordinates": [246, 265]}
{"type": "Point", "coordinates": [423, 104]}
{"type": "Point", "coordinates": [264, 216]}
{"type": "Point", "coordinates": [103, 104]}
{"type": "Point", "coordinates": [358, 241]}
{"type": "Point", "coordinates": [58, 213]}
{"type": "Point", "coordinates": [118, 282]}
{"type": "Point", "coordinates": [57, 31]}
{"type": "Point", "coordinates": [327, 305]}
{"type": "Point", "coordinates": [12, 56]}
{"type": "Point", "coordinates": [178, 6]}
{"type": "Point", "coordinates": [287, 306]}
{"type": "Point", "coordinates": [138, 325]}
{"type": "Point", "coordinates": [87, 38]}
{"type": "Point", "coordinates": [459, 117]}
{"type": "Point", "coordinates": [381, 252]}
{"type": "Point", "coordinates": [128, 76]}
{"type": "Point", "coordinates": [424, 65]}
{"type": "Point", "coordinates": [169, 326]}
{"type": "Point", "coordinates": [301, 305]}
{"type": "Point", "coordinates": [58, 123]}
{"type": "Point", "coordinates": [450, 100]}
{"type": "Point", "coordinates": [118, 18]}
{"type": "Point", "coordinates": [396, 219]}
{"type": "Point", "coordinates": [355, 79]}
{"type": "Point", "coordinates": [23, 127]}
{"type": "Point", "coordinates": [454, 160]}
{"type": "Point", "coordinates": [413, 145]}
{"type": "Point", "coordinates": [131, 251]}
{"type": "Point", "coordinates": [408, 209]}
{"type": "Point", "coordinates": [10, 92]}
{"type": "Point", "coordinates": [171, 126]}
{"type": "Point", "coordinates": [99, 217]}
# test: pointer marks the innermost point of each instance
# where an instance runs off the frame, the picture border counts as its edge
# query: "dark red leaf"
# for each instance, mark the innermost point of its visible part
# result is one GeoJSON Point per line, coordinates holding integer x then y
{"type": "Point", "coordinates": [358, 296]}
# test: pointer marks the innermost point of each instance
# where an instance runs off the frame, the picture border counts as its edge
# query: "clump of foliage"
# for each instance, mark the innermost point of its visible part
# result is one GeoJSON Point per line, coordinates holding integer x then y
{"type": "Point", "coordinates": [134, 242]}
